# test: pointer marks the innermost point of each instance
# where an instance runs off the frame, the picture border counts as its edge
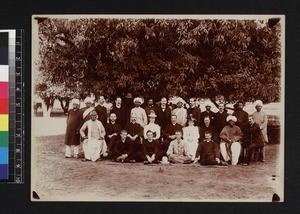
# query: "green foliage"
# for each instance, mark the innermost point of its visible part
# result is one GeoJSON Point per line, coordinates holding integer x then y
{"type": "Point", "coordinates": [239, 59]}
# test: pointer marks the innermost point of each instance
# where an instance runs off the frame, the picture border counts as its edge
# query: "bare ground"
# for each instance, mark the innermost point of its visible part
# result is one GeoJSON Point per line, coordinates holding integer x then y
{"type": "Point", "coordinates": [57, 178]}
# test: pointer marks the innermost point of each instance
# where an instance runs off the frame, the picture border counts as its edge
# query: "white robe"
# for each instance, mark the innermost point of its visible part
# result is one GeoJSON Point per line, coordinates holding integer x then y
{"type": "Point", "coordinates": [92, 146]}
{"type": "Point", "coordinates": [181, 114]}
{"type": "Point", "coordinates": [191, 135]}
{"type": "Point", "coordinates": [141, 116]}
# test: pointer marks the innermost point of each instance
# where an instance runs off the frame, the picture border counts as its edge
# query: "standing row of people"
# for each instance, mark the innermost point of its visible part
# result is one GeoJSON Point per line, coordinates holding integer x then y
{"type": "Point", "coordinates": [163, 125]}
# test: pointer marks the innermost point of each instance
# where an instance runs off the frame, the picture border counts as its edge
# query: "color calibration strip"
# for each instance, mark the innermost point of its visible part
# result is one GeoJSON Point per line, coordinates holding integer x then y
{"type": "Point", "coordinates": [4, 105]}
{"type": "Point", "coordinates": [12, 106]}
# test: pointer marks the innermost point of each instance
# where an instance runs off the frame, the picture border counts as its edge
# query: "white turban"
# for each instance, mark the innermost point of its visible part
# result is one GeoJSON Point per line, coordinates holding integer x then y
{"type": "Point", "coordinates": [138, 99]}
{"type": "Point", "coordinates": [230, 117]}
{"type": "Point", "coordinates": [258, 103]}
{"type": "Point", "coordinates": [75, 101]}
{"type": "Point", "coordinates": [88, 100]}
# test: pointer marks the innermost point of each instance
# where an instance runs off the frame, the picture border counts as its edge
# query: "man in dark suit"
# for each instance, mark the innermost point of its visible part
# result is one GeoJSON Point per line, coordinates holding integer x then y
{"type": "Point", "coordinates": [135, 133]}
{"type": "Point", "coordinates": [209, 128]}
{"type": "Point", "coordinates": [220, 118]}
{"type": "Point", "coordinates": [207, 112]}
{"type": "Point", "coordinates": [253, 138]}
{"type": "Point", "coordinates": [112, 130]}
{"type": "Point", "coordinates": [123, 150]}
{"type": "Point", "coordinates": [169, 133]}
{"type": "Point", "coordinates": [241, 115]}
{"type": "Point", "coordinates": [119, 110]}
{"type": "Point", "coordinates": [194, 111]}
{"type": "Point", "coordinates": [101, 111]}
{"type": "Point", "coordinates": [164, 113]}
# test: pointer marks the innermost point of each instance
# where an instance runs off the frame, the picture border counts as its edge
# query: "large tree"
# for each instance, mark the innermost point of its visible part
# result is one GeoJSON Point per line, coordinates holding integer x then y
{"type": "Point", "coordinates": [239, 59]}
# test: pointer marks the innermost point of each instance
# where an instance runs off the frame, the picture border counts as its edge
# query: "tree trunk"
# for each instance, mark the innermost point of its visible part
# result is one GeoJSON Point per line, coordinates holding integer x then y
{"type": "Point", "coordinates": [47, 106]}
{"type": "Point", "coordinates": [65, 106]}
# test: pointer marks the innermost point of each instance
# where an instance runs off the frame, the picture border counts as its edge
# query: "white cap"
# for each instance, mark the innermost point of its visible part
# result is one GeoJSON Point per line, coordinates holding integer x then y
{"type": "Point", "coordinates": [75, 101]}
{"type": "Point", "coordinates": [258, 103]}
{"type": "Point", "coordinates": [138, 99]}
{"type": "Point", "coordinates": [230, 117]}
{"type": "Point", "coordinates": [88, 100]}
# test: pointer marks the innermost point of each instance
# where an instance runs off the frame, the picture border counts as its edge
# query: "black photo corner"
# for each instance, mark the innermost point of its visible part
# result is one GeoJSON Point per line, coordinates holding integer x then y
{"type": "Point", "coordinates": [16, 198]}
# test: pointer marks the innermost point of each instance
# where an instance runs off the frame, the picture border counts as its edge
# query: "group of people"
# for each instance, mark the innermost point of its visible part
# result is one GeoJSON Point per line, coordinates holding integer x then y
{"type": "Point", "coordinates": [165, 133]}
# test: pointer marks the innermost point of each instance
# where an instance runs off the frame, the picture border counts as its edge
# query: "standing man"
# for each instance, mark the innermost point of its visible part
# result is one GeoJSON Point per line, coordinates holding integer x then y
{"type": "Point", "coordinates": [261, 119]}
{"type": "Point", "coordinates": [101, 110]}
{"type": "Point", "coordinates": [220, 118]}
{"type": "Point", "coordinates": [127, 106]}
{"type": "Point", "coordinates": [180, 112]}
{"type": "Point", "coordinates": [87, 109]}
{"type": "Point", "coordinates": [230, 144]}
{"type": "Point", "coordinates": [119, 111]}
{"type": "Point", "coordinates": [207, 112]}
{"type": "Point", "coordinates": [150, 107]}
{"type": "Point", "coordinates": [72, 137]}
{"type": "Point", "coordinates": [139, 112]}
{"type": "Point", "coordinates": [252, 138]}
{"type": "Point", "coordinates": [178, 151]}
{"type": "Point", "coordinates": [169, 132]}
{"type": "Point", "coordinates": [194, 111]}
{"type": "Point", "coordinates": [163, 113]}
{"type": "Point", "coordinates": [94, 144]}
{"type": "Point", "coordinates": [241, 115]}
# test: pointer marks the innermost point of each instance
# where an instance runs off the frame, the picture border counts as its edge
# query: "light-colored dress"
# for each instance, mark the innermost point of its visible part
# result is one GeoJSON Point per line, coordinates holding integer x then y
{"type": "Point", "coordinates": [154, 128]}
{"type": "Point", "coordinates": [191, 135]}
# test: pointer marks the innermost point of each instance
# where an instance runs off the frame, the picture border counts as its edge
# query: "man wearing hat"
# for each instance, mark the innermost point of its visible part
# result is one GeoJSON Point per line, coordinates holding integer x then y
{"type": "Point", "coordinates": [94, 144]}
{"type": "Point", "coordinates": [152, 126]}
{"type": "Point", "coordinates": [230, 144]}
{"type": "Point", "coordinates": [241, 115]}
{"type": "Point", "coordinates": [180, 112]}
{"type": "Point", "coordinates": [72, 137]}
{"type": "Point", "coordinates": [101, 110]}
{"type": "Point", "coordinates": [150, 107]}
{"type": "Point", "coordinates": [87, 109]}
{"type": "Point", "coordinates": [139, 112]}
{"type": "Point", "coordinates": [207, 112]}
{"type": "Point", "coordinates": [261, 119]}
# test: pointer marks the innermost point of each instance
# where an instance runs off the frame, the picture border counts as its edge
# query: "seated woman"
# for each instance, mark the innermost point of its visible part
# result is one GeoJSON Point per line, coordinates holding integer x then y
{"type": "Point", "coordinates": [191, 135]}
{"type": "Point", "coordinates": [152, 152]}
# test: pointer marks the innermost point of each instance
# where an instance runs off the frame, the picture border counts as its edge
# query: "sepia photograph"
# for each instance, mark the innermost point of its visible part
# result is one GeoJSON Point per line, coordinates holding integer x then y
{"type": "Point", "coordinates": [164, 108]}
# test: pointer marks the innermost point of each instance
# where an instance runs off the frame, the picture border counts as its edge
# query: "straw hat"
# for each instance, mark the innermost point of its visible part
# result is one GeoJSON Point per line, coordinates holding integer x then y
{"type": "Point", "coordinates": [165, 160]}
{"type": "Point", "coordinates": [152, 114]}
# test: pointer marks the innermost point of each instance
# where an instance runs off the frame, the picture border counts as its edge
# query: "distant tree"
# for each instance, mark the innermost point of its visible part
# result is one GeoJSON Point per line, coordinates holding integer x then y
{"type": "Point", "coordinates": [239, 59]}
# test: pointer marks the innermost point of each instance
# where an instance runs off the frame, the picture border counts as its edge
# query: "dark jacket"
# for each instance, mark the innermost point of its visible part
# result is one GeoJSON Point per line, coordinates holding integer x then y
{"type": "Point", "coordinates": [134, 129]}
{"type": "Point", "coordinates": [212, 130]}
{"type": "Point", "coordinates": [121, 115]}
{"type": "Point", "coordinates": [112, 128]}
{"type": "Point", "coordinates": [163, 117]}
{"type": "Point", "coordinates": [196, 113]}
{"type": "Point", "coordinates": [150, 148]}
{"type": "Point", "coordinates": [211, 117]}
{"type": "Point", "coordinates": [252, 134]}
{"type": "Point", "coordinates": [242, 118]}
{"type": "Point", "coordinates": [220, 121]}
{"type": "Point", "coordinates": [171, 129]}
{"type": "Point", "coordinates": [102, 114]}
{"type": "Point", "coordinates": [121, 148]}
{"type": "Point", "coordinates": [207, 149]}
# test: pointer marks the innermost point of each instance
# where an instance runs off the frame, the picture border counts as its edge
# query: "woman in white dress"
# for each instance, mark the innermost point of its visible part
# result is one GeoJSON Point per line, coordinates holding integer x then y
{"type": "Point", "coordinates": [191, 135]}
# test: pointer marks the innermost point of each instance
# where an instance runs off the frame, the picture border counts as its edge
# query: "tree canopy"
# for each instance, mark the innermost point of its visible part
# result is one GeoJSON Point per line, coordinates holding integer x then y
{"type": "Point", "coordinates": [239, 59]}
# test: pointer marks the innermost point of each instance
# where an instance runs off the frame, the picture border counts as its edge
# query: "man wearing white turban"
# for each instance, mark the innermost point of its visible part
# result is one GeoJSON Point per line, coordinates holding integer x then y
{"type": "Point", "coordinates": [180, 112]}
{"type": "Point", "coordinates": [72, 137]}
{"type": "Point", "coordinates": [230, 144]}
{"type": "Point", "coordinates": [141, 116]}
{"type": "Point", "coordinates": [261, 119]}
{"type": "Point", "coordinates": [87, 109]}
